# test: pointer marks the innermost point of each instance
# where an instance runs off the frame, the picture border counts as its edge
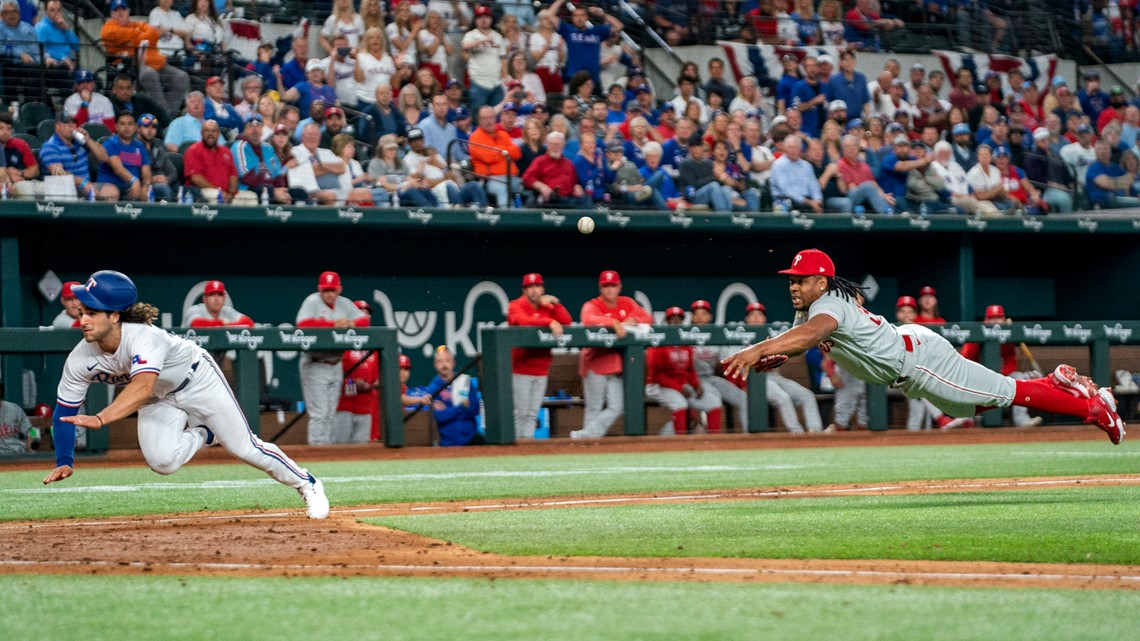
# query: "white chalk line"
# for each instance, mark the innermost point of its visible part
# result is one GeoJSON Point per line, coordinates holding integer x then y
{"type": "Point", "coordinates": [610, 501]}
{"type": "Point", "coordinates": [556, 569]}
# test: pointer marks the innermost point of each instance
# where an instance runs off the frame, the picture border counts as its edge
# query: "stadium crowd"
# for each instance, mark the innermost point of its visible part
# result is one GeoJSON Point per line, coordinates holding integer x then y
{"type": "Point", "coordinates": [546, 109]}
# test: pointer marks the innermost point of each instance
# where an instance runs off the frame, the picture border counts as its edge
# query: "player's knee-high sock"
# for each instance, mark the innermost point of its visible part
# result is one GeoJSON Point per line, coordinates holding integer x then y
{"type": "Point", "coordinates": [1040, 395]}
{"type": "Point", "coordinates": [713, 417]}
{"type": "Point", "coordinates": [681, 421]}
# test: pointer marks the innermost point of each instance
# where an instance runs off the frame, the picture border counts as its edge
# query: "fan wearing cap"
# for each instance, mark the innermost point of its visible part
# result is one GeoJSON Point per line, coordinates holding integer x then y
{"type": "Point", "coordinates": [88, 105]}
{"type": "Point", "coordinates": [427, 163]}
{"type": "Point", "coordinates": [1080, 154]}
{"type": "Point", "coordinates": [962, 146]}
{"type": "Point", "coordinates": [408, 400]}
{"type": "Point", "coordinates": [671, 381]}
{"type": "Point", "coordinates": [122, 38]}
{"type": "Point", "coordinates": [1044, 166]}
{"type": "Point", "coordinates": [995, 314]}
{"type": "Point", "coordinates": [64, 155]}
{"type": "Point", "coordinates": [911, 357]}
{"type": "Point", "coordinates": [313, 88]}
{"type": "Point", "coordinates": [69, 317]}
{"type": "Point", "coordinates": [258, 167]}
{"type": "Point", "coordinates": [1023, 195]}
{"type": "Point", "coordinates": [321, 374]}
{"type": "Point", "coordinates": [897, 164]}
{"type": "Point", "coordinates": [1114, 111]}
{"type": "Point", "coordinates": [599, 367]}
{"type": "Point", "coordinates": [531, 366]}
{"type": "Point", "coordinates": [787, 81]}
{"type": "Point", "coordinates": [182, 400]}
{"type": "Point", "coordinates": [220, 109]}
{"type": "Point", "coordinates": [1093, 99]}
{"type": "Point", "coordinates": [358, 410]}
{"type": "Point", "coordinates": [485, 51]}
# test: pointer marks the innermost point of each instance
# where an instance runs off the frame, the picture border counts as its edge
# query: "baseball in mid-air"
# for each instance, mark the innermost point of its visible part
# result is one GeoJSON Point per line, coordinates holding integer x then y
{"type": "Point", "coordinates": [585, 224]}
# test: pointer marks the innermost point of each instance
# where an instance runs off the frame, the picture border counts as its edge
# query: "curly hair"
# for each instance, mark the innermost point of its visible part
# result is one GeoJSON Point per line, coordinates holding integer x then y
{"type": "Point", "coordinates": [844, 287]}
{"type": "Point", "coordinates": [142, 313]}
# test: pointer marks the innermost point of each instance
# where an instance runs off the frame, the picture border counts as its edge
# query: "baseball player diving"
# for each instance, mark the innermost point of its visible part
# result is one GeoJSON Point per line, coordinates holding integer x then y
{"type": "Point", "coordinates": [911, 357]}
{"type": "Point", "coordinates": [182, 400]}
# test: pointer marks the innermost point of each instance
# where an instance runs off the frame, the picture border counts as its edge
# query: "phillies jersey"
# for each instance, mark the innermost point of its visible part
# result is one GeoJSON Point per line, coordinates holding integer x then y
{"type": "Point", "coordinates": [198, 316]}
{"type": "Point", "coordinates": [315, 313]}
{"type": "Point", "coordinates": [368, 371]}
{"type": "Point", "coordinates": [863, 343]}
{"type": "Point", "coordinates": [142, 348]}
{"type": "Point", "coordinates": [670, 367]}
{"type": "Point", "coordinates": [521, 312]}
{"type": "Point", "coordinates": [595, 312]}
{"type": "Point", "coordinates": [63, 321]}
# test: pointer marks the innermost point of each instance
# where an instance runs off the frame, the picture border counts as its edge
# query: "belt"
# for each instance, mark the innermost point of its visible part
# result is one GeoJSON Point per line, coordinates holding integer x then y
{"type": "Point", "coordinates": [909, 343]}
{"type": "Point", "coordinates": [187, 381]}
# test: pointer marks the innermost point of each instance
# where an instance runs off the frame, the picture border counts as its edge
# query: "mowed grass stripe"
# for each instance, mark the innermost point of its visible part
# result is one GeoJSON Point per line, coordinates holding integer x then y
{"type": "Point", "coordinates": [1087, 525]}
{"type": "Point", "coordinates": [137, 490]}
{"type": "Point", "coordinates": [365, 609]}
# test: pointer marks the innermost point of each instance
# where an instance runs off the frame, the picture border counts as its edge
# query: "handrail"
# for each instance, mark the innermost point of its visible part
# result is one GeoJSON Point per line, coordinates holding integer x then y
{"type": "Point", "coordinates": [510, 162]}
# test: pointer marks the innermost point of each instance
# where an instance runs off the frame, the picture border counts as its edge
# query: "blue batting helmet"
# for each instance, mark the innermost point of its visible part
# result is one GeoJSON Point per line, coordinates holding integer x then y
{"type": "Point", "coordinates": [107, 290]}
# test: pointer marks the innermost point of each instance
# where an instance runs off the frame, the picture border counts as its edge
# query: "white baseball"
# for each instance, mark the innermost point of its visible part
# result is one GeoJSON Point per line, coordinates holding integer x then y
{"type": "Point", "coordinates": [585, 224]}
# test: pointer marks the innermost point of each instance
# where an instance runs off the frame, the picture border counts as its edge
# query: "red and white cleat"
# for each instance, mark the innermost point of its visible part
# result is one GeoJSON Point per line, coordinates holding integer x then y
{"type": "Point", "coordinates": [1102, 412]}
{"type": "Point", "coordinates": [1066, 378]}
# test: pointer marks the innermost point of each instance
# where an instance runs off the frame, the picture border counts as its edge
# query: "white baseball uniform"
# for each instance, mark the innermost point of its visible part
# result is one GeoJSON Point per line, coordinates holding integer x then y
{"type": "Point", "coordinates": [190, 387]}
{"type": "Point", "coordinates": [228, 315]}
{"type": "Point", "coordinates": [911, 357]}
{"type": "Point", "coordinates": [781, 393]}
{"type": "Point", "coordinates": [321, 373]}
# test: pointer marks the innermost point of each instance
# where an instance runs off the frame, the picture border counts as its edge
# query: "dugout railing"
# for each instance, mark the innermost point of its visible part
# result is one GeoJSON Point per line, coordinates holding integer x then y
{"type": "Point", "coordinates": [1097, 336]}
{"type": "Point", "coordinates": [246, 343]}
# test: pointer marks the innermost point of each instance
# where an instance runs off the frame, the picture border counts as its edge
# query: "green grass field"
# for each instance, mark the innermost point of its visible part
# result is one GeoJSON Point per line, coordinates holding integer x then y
{"type": "Point", "coordinates": [1064, 525]}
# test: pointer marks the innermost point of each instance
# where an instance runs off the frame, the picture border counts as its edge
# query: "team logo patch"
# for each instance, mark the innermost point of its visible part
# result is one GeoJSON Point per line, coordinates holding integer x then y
{"type": "Point", "coordinates": [137, 360]}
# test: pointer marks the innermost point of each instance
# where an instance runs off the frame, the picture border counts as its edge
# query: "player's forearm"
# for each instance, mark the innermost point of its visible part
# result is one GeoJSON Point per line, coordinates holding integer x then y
{"type": "Point", "coordinates": [133, 396]}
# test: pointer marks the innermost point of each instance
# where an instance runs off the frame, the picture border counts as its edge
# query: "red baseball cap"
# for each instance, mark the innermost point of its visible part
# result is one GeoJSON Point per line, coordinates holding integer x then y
{"type": "Point", "coordinates": [215, 287]}
{"type": "Point", "coordinates": [333, 111]}
{"type": "Point", "coordinates": [811, 262]}
{"type": "Point", "coordinates": [213, 80]}
{"type": "Point", "coordinates": [66, 292]}
{"type": "Point", "coordinates": [328, 280]}
{"type": "Point", "coordinates": [755, 307]}
{"type": "Point", "coordinates": [533, 278]}
{"type": "Point", "coordinates": [700, 304]}
{"type": "Point", "coordinates": [363, 306]}
{"type": "Point", "coordinates": [405, 362]}
{"type": "Point", "coordinates": [609, 277]}
{"type": "Point", "coordinates": [927, 291]}
{"type": "Point", "coordinates": [995, 311]}
{"type": "Point", "coordinates": [906, 301]}
{"type": "Point", "coordinates": [482, 10]}
{"type": "Point", "coordinates": [674, 311]}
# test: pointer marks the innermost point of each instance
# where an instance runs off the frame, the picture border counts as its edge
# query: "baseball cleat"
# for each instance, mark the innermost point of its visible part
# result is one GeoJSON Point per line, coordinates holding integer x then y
{"type": "Point", "coordinates": [1066, 378]}
{"type": "Point", "coordinates": [1102, 412]}
{"type": "Point", "coordinates": [316, 503]}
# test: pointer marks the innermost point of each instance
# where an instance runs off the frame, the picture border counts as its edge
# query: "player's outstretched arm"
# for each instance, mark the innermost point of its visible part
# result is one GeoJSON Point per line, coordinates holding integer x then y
{"type": "Point", "coordinates": [133, 396]}
{"type": "Point", "coordinates": [793, 342]}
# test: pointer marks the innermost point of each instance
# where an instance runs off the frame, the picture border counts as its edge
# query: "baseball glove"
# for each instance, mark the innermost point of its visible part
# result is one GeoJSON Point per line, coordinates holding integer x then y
{"type": "Point", "coordinates": [769, 363]}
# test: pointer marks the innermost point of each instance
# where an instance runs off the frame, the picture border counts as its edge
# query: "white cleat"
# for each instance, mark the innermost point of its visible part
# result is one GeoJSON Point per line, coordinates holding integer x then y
{"type": "Point", "coordinates": [316, 503]}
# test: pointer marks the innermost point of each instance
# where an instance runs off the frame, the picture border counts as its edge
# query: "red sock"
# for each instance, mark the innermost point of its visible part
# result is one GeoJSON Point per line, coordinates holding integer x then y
{"type": "Point", "coordinates": [681, 421]}
{"type": "Point", "coordinates": [1039, 395]}
{"type": "Point", "coordinates": [713, 417]}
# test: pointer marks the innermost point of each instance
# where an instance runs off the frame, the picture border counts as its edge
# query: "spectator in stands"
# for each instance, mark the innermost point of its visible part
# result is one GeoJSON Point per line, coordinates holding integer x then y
{"type": "Point", "coordinates": [962, 95]}
{"type": "Point", "coordinates": [828, 178]}
{"type": "Point", "coordinates": [187, 127]}
{"type": "Point", "coordinates": [548, 50]}
{"type": "Point", "coordinates": [295, 71]}
{"type": "Point", "coordinates": [251, 89]}
{"type": "Point", "coordinates": [433, 47]}
{"type": "Point", "coordinates": [340, 71]}
{"type": "Point", "coordinates": [864, 25]}
{"type": "Point", "coordinates": [334, 124]}
{"type": "Point", "coordinates": [219, 109]}
{"type": "Point", "coordinates": [657, 177]}
{"type": "Point", "coordinates": [793, 178]}
{"type": "Point", "coordinates": [386, 119]}
{"type": "Point", "coordinates": [850, 86]}
{"type": "Point", "coordinates": [172, 34]}
{"type": "Point", "coordinates": [532, 144]}
{"type": "Point", "coordinates": [210, 172]}
{"type": "Point", "coordinates": [809, 98]}
{"type": "Point", "coordinates": [123, 38]}
{"type": "Point", "coordinates": [162, 170]}
{"type": "Point", "coordinates": [20, 168]}
{"type": "Point", "coordinates": [1107, 184]}
{"type": "Point", "coordinates": [716, 81]}
{"type": "Point", "coordinates": [66, 154]}
{"type": "Point", "coordinates": [127, 166]}
{"type": "Point", "coordinates": [490, 150]}
{"type": "Point", "coordinates": [61, 45]}
{"type": "Point", "coordinates": [589, 164]}
{"type": "Point", "coordinates": [374, 67]}
{"type": "Point", "coordinates": [963, 147]}
{"type": "Point", "coordinates": [1080, 154]}
{"type": "Point", "coordinates": [731, 170]}
{"type": "Point", "coordinates": [955, 182]}
{"type": "Point", "coordinates": [624, 182]}
{"type": "Point", "coordinates": [1047, 171]}
{"type": "Point", "coordinates": [1093, 99]}
{"type": "Point", "coordinates": [258, 167]}
{"type": "Point", "coordinates": [697, 181]}
{"type": "Point", "coordinates": [124, 98]}
{"type": "Point", "coordinates": [554, 179]}
{"type": "Point", "coordinates": [355, 184]}
{"type": "Point", "coordinates": [426, 161]}
{"type": "Point", "coordinates": [21, 62]}
{"type": "Point", "coordinates": [86, 104]}
{"type": "Point", "coordinates": [389, 171]}
{"type": "Point", "coordinates": [1130, 129]}
{"type": "Point", "coordinates": [896, 167]}
{"type": "Point", "coordinates": [1023, 195]}
{"type": "Point", "coordinates": [986, 181]}
{"type": "Point", "coordinates": [583, 40]}
{"type": "Point", "coordinates": [343, 21]}
{"type": "Point", "coordinates": [928, 110]}
{"type": "Point", "coordinates": [402, 35]}
{"type": "Point", "coordinates": [859, 181]}
{"type": "Point", "coordinates": [437, 131]}
{"type": "Point", "coordinates": [304, 94]}
{"type": "Point", "coordinates": [457, 400]}
{"type": "Point", "coordinates": [485, 51]}
{"type": "Point", "coordinates": [411, 104]}
{"type": "Point", "coordinates": [316, 175]}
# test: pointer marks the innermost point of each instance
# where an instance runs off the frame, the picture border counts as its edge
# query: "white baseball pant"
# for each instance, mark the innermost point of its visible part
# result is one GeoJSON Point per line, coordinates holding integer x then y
{"type": "Point", "coordinates": [934, 370]}
{"type": "Point", "coordinates": [528, 392]}
{"type": "Point", "coordinates": [850, 400]}
{"type": "Point", "coordinates": [731, 395]}
{"type": "Point", "coordinates": [786, 395]}
{"type": "Point", "coordinates": [320, 384]}
{"type": "Point", "coordinates": [605, 403]}
{"type": "Point", "coordinates": [207, 401]}
{"type": "Point", "coordinates": [675, 401]}
{"type": "Point", "coordinates": [352, 428]}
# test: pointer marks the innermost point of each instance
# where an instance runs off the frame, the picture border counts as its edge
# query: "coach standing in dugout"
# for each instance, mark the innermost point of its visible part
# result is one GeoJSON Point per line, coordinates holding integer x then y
{"type": "Point", "coordinates": [530, 366]}
{"type": "Point", "coordinates": [599, 367]}
{"type": "Point", "coordinates": [321, 373]}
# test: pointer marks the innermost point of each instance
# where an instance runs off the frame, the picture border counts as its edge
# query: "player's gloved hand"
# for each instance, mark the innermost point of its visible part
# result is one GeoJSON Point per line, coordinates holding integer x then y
{"type": "Point", "coordinates": [769, 363]}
